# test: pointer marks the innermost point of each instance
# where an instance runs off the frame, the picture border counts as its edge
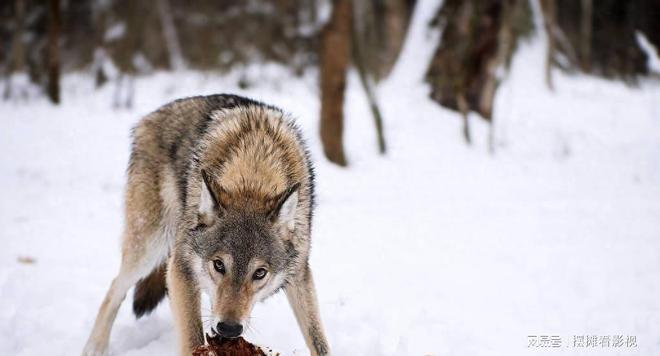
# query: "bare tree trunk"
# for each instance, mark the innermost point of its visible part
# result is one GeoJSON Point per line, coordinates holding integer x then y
{"type": "Point", "coordinates": [100, 52]}
{"type": "Point", "coordinates": [313, 11]}
{"type": "Point", "coordinates": [599, 37]}
{"type": "Point", "coordinates": [464, 109]}
{"type": "Point", "coordinates": [125, 49]}
{"type": "Point", "coordinates": [380, 29]}
{"type": "Point", "coordinates": [585, 34]}
{"type": "Point", "coordinates": [171, 38]}
{"type": "Point", "coordinates": [54, 24]}
{"type": "Point", "coordinates": [504, 49]}
{"type": "Point", "coordinates": [397, 19]}
{"type": "Point", "coordinates": [478, 38]}
{"type": "Point", "coordinates": [368, 85]}
{"type": "Point", "coordinates": [549, 10]}
{"type": "Point", "coordinates": [334, 61]}
{"type": "Point", "coordinates": [17, 54]}
{"type": "Point", "coordinates": [16, 58]}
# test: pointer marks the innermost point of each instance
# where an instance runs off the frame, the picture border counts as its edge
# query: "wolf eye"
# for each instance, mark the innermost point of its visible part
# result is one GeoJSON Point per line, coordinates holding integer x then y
{"type": "Point", "coordinates": [219, 266]}
{"type": "Point", "coordinates": [260, 273]}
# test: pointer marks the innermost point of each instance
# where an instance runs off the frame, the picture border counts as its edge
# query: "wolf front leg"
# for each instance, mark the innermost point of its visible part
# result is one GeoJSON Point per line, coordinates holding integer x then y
{"type": "Point", "coordinates": [97, 344]}
{"type": "Point", "coordinates": [302, 297]}
{"type": "Point", "coordinates": [185, 301]}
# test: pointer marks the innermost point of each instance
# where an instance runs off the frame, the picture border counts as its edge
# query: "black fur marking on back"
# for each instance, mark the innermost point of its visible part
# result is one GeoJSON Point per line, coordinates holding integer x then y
{"type": "Point", "coordinates": [174, 148]}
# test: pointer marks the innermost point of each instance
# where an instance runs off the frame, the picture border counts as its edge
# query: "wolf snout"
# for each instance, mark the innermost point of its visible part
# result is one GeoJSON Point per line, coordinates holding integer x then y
{"type": "Point", "coordinates": [229, 329]}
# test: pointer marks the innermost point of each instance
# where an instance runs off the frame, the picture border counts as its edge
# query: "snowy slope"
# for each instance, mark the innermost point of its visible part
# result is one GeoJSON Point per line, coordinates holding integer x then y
{"type": "Point", "coordinates": [436, 248]}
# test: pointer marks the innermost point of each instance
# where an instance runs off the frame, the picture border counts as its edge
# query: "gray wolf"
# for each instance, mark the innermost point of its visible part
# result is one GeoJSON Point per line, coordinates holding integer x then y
{"type": "Point", "coordinates": [218, 200]}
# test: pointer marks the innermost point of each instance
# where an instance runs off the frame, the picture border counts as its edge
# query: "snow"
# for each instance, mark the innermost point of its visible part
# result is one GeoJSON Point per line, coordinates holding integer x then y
{"type": "Point", "coordinates": [437, 248]}
{"type": "Point", "coordinates": [115, 32]}
{"type": "Point", "coordinates": [653, 62]}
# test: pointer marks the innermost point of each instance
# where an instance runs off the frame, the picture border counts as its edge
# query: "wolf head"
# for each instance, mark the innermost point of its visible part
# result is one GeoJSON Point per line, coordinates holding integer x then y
{"type": "Point", "coordinates": [245, 250]}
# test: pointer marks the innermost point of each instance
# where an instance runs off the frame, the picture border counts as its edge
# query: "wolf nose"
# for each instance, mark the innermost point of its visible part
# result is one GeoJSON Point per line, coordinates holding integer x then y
{"type": "Point", "coordinates": [230, 330]}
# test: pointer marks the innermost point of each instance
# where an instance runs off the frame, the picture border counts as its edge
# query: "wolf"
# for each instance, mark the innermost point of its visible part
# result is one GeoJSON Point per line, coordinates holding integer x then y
{"type": "Point", "coordinates": [219, 200]}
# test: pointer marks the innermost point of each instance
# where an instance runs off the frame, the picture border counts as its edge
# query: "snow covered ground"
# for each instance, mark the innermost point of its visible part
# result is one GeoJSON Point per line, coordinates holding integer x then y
{"type": "Point", "coordinates": [435, 249]}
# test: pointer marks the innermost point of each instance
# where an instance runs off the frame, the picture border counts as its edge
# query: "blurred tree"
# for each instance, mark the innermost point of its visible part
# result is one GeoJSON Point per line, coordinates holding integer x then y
{"type": "Point", "coordinates": [100, 58]}
{"type": "Point", "coordinates": [226, 34]}
{"type": "Point", "coordinates": [554, 35]}
{"type": "Point", "coordinates": [586, 23]}
{"type": "Point", "coordinates": [601, 37]}
{"type": "Point", "coordinates": [17, 57]}
{"type": "Point", "coordinates": [170, 36]}
{"type": "Point", "coordinates": [53, 58]}
{"type": "Point", "coordinates": [380, 28]}
{"type": "Point", "coordinates": [135, 44]}
{"type": "Point", "coordinates": [478, 37]}
{"type": "Point", "coordinates": [373, 33]}
{"type": "Point", "coordinates": [78, 33]}
{"type": "Point", "coordinates": [368, 85]}
{"type": "Point", "coordinates": [335, 57]}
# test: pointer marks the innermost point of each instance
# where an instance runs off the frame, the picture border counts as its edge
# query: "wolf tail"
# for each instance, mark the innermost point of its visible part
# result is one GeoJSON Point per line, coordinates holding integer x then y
{"type": "Point", "coordinates": [149, 291]}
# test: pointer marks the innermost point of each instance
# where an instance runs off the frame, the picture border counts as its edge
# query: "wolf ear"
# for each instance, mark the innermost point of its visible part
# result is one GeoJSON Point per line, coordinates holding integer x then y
{"type": "Point", "coordinates": [285, 210]}
{"type": "Point", "coordinates": [208, 201]}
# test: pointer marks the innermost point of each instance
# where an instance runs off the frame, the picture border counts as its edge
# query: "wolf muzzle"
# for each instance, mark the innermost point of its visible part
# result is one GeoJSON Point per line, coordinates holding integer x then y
{"type": "Point", "coordinates": [229, 330]}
